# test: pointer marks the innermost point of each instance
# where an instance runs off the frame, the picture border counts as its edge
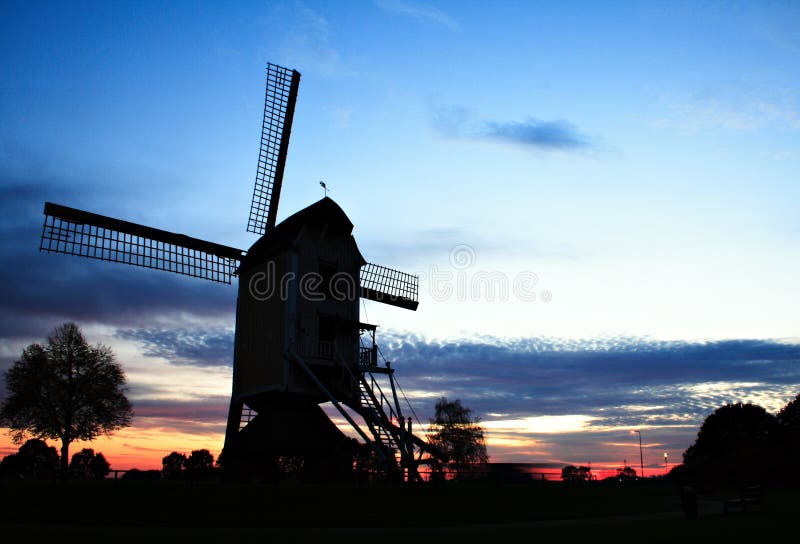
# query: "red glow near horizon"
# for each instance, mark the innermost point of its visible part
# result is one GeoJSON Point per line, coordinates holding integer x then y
{"type": "Point", "coordinates": [145, 449]}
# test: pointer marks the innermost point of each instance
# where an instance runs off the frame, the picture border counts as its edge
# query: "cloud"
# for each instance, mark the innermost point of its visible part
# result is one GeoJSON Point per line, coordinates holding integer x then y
{"type": "Point", "coordinates": [542, 134]}
{"type": "Point", "coordinates": [575, 401]}
{"type": "Point", "coordinates": [419, 12]}
{"type": "Point", "coordinates": [733, 108]}
{"type": "Point", "coordinates": [198, 347]}
{"type": "Point", "coordinates": [181, 415]}
{"type": "Point", "coordinates": [532, 133]}
{"type": "Point", "coordinates": [619, 381]}
{"type": "Point", "coordinates": [306, 41]}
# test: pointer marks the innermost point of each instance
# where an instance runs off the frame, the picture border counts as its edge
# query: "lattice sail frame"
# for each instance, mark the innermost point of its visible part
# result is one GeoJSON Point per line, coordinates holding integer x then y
{"type": "Point", "coordinates": [75, 232]}
{"type": "Point", "coordinates": [281, 95]}
{"type": "Point", "coordinates": [383, 284]}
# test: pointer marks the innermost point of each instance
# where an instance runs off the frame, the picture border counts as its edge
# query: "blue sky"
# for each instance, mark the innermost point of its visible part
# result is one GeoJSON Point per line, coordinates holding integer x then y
{"type": "Point", "coordinates": [626, 170]}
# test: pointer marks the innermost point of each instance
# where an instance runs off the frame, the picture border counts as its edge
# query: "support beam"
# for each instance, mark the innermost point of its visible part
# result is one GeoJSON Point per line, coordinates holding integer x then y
{"type": "Point", "coordinates": [294, 357]}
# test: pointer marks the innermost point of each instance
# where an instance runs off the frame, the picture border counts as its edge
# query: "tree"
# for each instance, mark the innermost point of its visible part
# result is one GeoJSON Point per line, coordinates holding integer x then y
{"type": "Point", "coordinates": [87, 464]}
{"type": "Point", "coordinates": [34, 459]}
{"type": "Point", "coordinates": [173, 464]}
{"type": "Point", "coordinates": [626, 473]}
{"type": "Point", "coordinates": [789, 420]}
{"type": "Point", "coordinates": [196, 466]}
{"type": "Point", "coordinates": [735, 444]}
{"type": "Point", "coordinates": [458, 435]}
{"type": "Point", "coordinates": [66, 390]}
{"type": "Point", "coordinates": [571, 473]}
{"type": "Point", "coordinates": [789, 416]}
{"type": "Point", "coordinates": [199, 464]}
{"type": "Point", "coordinates": [366, 463]}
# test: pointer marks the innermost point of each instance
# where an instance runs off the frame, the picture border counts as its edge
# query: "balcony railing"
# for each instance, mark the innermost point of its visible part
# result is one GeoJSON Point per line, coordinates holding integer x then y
{"type": "Point", "coordinates": [326, 349]}
{"type": "Point", "coordinates": [367, 358]}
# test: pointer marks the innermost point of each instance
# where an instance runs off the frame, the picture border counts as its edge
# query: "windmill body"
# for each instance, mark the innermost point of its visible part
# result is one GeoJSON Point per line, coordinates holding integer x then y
{"type": "Point", "coordinates": [299, 340]}
{"type": "Point", "coordinates": [297, 294]}
{"type": "Point", "coordinates": [297, 291]}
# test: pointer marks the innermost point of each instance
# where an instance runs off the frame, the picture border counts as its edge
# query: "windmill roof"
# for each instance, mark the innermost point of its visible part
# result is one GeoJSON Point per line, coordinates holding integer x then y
{"type": "Point", "coordinates": [323, 212]}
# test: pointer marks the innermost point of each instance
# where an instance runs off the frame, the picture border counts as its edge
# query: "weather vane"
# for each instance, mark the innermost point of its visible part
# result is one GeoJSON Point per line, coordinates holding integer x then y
{"type": "Point", "coordinates": [324, 187]}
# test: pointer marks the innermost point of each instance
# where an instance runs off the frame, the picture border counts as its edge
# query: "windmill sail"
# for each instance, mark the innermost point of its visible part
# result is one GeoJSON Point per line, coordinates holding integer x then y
{"type": "Point", "coordinates": [281, 95]}
{"type": "Point", "coordinates": [389, 286]}
{"type": "Point", "coordinates": [76, 232]}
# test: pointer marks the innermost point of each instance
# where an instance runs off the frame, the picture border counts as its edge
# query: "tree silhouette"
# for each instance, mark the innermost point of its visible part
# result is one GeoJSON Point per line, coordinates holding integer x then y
{"type": "Point", "coordinates": [571, 473]}
{"type": "Point", "coordinates": [196, 466]}
{"type": "Point", "coordinates": [135, 474]}
{"type": "Point", "coordinates": [366, 463]}
{"type": "Point", "coordinates": [34, 460]}
{"type": "Point", "coordinates": [735, 444]}
{"type": "Point", "coordinates": [199, 464]}
{"type": "Point", "coordinates": [789, 415]}
{"type": "Point", "coordinates": [789, 420]}
{"type": "Point", "coordinates": [458, 435]}
{"type": "Point", "coordinates": [173, 464]}
{"type": "Point", "coordinates": [66, 390]}
{"type": "Point", "coordinates": [87, 464]}
{"type": "Point", "coordinates": [626, 473]}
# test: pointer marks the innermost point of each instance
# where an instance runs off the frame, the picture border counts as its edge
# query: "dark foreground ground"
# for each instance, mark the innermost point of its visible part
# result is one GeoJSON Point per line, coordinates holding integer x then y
{"type": "Point", "coordinates": [120, 511]}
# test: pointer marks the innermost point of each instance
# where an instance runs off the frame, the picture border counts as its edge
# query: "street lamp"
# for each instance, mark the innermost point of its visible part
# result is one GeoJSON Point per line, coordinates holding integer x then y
{"type": "Point", "coordinates": [641, 455]}
{"type": "Point", "coordinates": [666, 468]}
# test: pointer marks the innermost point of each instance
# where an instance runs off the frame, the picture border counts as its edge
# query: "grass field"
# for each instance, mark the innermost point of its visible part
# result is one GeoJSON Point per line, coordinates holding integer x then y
{"type": "Point", "coordinates": [470, 512]}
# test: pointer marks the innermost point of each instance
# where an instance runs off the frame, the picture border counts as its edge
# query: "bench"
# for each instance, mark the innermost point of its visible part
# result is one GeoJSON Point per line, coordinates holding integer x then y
{"type": "Point", "coordinates": [750, 497]}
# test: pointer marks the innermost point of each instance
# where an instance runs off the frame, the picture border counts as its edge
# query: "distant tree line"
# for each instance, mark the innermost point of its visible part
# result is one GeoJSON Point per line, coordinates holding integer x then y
{"type": "Point", "coordinates": [35, 460]}
{"type": "Point", "coordinates": [571, 473]}
{"type": "Point", "coordinates": [198, 465]}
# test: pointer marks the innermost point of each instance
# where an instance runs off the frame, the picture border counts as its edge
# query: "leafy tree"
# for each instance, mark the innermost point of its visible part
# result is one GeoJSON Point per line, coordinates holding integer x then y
{"type": "Point", "coordinates": [789, 415]}
{"type": "Point", "coordinates": [571, 473]}
{"type": "Point", "coordinates": [87, 464]}
{"type": "Point", "coordinates": [196, 466]}
{"type": "Point", "coordinates": [66, 390]}
{"type": "Point", "coordinates": [173, 464]}
{"type": "Point", "coordinates": [34, 460]}
{"type": "Point", "coordinates": [199, 464]}
{"type": "Point", "coordinates": [789, 420]}
{"type": "Point", "coordinates": [458, 434]}
{"type": "Point", "coordinates": [735, 444]}
{"type": "Point", "coordinates": [626, 473]}
{"type": "Point", "coordinates": [366, 463]}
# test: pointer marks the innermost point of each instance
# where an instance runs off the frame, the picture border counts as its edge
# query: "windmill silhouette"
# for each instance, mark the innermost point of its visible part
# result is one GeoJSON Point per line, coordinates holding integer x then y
{"type": "Point", "coordinates": [299, 340]}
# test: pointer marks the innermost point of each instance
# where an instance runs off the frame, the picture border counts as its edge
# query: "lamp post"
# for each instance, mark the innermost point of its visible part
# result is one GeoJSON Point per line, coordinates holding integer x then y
{"type": "Point", "coordinates": [641, 455]}
{"type": "Point", "coordinates": [666, 468]}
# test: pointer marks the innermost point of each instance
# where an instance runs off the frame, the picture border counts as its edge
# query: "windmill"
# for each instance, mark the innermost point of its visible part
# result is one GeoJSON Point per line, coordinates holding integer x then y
{"type": "Point", "coordinates": [299, 340]}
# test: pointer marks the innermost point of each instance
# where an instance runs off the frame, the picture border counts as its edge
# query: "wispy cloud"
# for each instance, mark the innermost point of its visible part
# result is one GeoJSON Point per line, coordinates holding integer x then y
{"type": "Point", "coordinates": [734, 108]}
{"type": "Point", "coordinates": [532, 133]}
{"type": "Point", "coordinates": [198, 347]}
{"type": "Point", "coordinates": [419, 12]}
{"type": "Point", "coordinates": [308, 44]}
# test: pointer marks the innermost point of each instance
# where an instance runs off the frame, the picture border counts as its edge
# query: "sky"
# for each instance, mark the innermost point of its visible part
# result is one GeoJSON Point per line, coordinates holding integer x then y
{"type": "Point", "coordinates": [600, 200]}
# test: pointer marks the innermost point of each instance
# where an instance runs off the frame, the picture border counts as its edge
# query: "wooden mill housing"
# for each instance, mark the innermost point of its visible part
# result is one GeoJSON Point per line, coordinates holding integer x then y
{"type": "Point", "coordinates": [298, 290]}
